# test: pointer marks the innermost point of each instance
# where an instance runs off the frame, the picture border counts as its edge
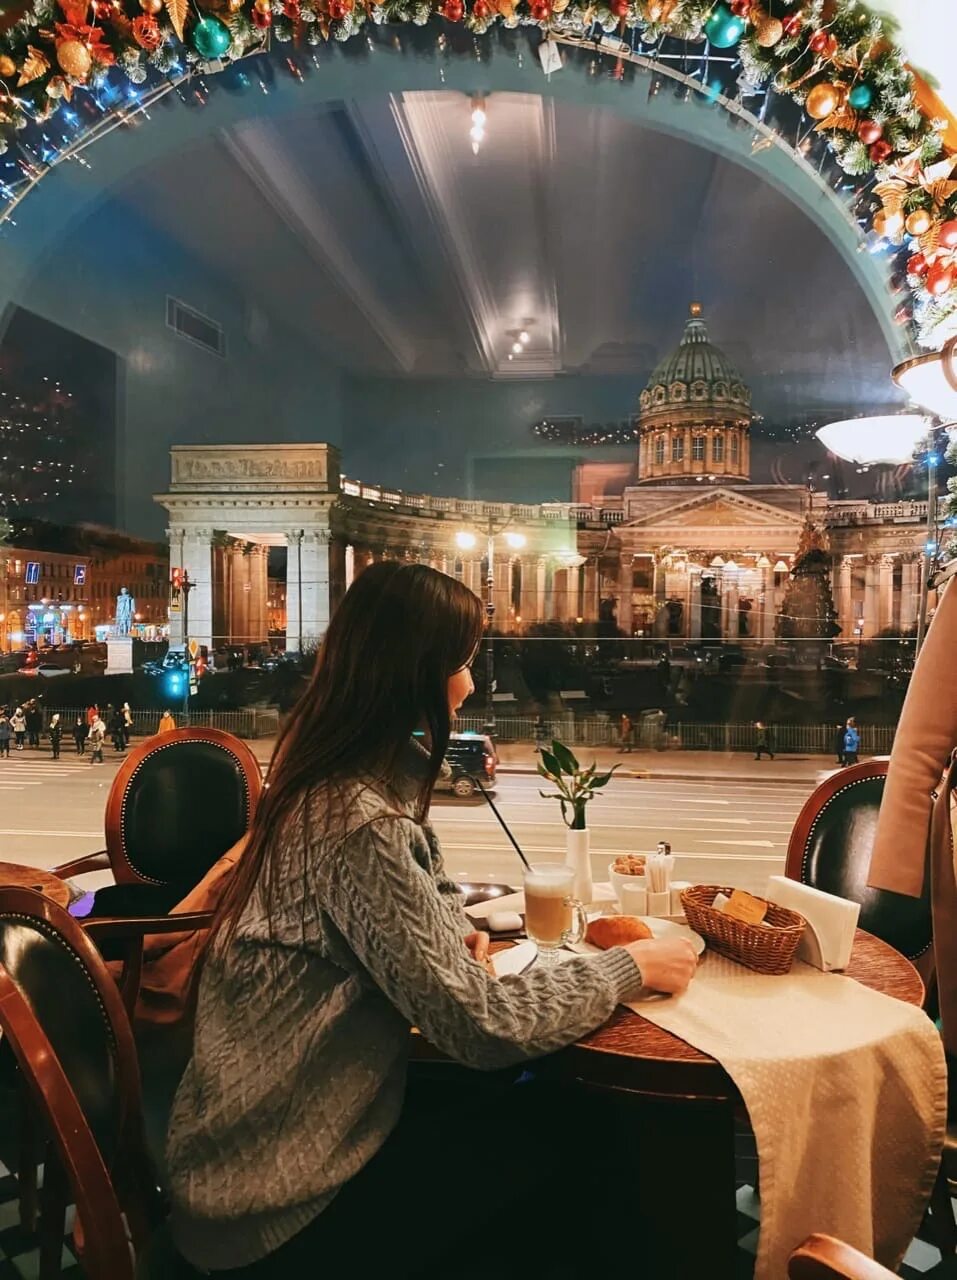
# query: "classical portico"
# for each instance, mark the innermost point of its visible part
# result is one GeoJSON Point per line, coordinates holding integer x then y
{"type": "Point", "coordinates": [709, 564]}
{"type": "Point", "coordinates": [227, 505]}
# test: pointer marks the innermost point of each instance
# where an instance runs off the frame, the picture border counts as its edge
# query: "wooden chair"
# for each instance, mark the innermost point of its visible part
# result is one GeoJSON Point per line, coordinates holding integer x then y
{"type": "Point", "coordinates": [830, 848]}
{"type": "Point", "coordinates": [824, 1258]}
{"type": "Point", "coordinates": [177, 803]}
{"type": "Point", "coordinates": [62, 1016]}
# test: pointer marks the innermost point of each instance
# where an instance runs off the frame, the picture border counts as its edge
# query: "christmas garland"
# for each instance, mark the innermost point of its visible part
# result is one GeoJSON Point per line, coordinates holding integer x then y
{"type": "Point", "coordinates": [833, 57]}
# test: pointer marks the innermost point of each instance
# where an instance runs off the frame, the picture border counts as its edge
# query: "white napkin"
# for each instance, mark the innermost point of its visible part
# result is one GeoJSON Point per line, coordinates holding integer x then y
{"type": "Point", "coordinates": [832, 922]}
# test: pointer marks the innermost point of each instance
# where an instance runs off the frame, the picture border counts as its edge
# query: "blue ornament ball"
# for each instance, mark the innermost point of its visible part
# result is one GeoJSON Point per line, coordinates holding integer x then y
{"type": "Point", "coordinates": [210, 38]}
{"type": "Point", "coordinates": [723, 27]}
{"type": "Point", "coordinates": [861, 97]}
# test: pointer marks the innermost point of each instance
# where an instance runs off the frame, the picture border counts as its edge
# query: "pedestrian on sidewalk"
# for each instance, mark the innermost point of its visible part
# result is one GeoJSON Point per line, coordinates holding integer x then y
{"type": "Point", "coordinates": [118, 730]}
{"type": "Point", "coordinates": [34, 718]}
{"type": "Point", "coordinates": [92, 713]}
{"type": "Point", "coordinates": [127, 724]}
{"type": "Point", "coordinates": [762, 741]}
{"type": "Point", "coordinates": [625, 732]}
{"type": "Point", "coordinates": [97, 736]}
{"type": "Point", "coordinates": [167, 723]}
{"type": "Point", "coordinates": [56, 733]}
{"type": "Point", "coordinates": [539, 733]}
{"type": "Point", "coordinates": [839, 743]}
{"type": "Point", "coordinates": [6, 733]}
{"type": "Point", "coordinates": [852, 742]}
{"type": "Point", "coordinates": [80, 730]}
{"type": "Point", "coordinates": [19, 722]}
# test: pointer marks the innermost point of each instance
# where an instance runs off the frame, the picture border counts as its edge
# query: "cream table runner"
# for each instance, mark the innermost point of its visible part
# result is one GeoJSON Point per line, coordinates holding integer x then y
{"type": "Point", "coordinates": [847, 1093]}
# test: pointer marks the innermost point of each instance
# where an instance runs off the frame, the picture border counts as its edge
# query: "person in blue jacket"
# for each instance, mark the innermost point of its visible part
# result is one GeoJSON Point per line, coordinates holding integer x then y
{"type": "Point", "coordinates": [852, 742]}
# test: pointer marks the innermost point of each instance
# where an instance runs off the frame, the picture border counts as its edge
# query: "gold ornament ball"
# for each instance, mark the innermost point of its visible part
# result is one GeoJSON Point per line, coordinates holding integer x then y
{"type": "Point", "coordinates": [7, 65]}
{"type": "Point", "coordinates": [822, 101]}
{"type": "Point", "coordinates": [75, 59]}
{"type": "Point", "coordinates": [887, 224]}
{"type": "Point", "coordinates": [234, 6]}
{"type": "Point", "coordinates": [264, 6]}
{"type": "Point", "coordinates": [152, 6]}
{"type": "Point", "coordinates": [918, 222]}
{"type": "Point", "coordinates": [768, 32]}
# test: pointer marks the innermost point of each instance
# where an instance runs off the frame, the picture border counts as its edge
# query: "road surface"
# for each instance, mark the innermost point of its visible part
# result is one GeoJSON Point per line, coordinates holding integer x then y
{"type": "Point", "coordinates": [722, 832]}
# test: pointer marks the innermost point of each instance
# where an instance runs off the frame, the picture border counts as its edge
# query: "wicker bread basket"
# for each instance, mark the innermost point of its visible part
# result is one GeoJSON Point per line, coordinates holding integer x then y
{"type": "Point", "coordinates": [766, 950]}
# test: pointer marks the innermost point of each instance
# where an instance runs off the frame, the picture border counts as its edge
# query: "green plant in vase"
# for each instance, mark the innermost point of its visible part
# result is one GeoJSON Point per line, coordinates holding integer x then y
{"type": "Point", "coordinates": [575, 787]}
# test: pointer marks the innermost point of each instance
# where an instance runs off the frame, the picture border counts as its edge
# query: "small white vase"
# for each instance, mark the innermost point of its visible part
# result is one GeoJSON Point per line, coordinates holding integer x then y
{"type": "Point", "coordinates": [578, 856]}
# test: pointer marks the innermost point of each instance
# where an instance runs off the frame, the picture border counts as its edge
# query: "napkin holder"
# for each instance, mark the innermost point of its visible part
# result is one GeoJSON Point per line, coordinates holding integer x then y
{"type": "Point", "coordinates": [831, 922]}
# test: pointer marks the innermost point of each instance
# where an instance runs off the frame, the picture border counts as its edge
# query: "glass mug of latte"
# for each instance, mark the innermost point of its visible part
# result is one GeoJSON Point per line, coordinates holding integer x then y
{"type": "Point", "coordinates": [552, 916]}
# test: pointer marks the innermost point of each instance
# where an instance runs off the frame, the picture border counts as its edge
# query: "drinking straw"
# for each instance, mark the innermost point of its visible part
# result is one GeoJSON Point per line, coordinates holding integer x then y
{"type": "Point", "coordinates": [502, 823]}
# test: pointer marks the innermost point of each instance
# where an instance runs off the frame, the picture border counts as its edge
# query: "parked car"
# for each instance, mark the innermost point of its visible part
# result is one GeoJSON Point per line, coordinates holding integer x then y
{"type": "Point", "coordinates": [469, 756]}
{"type": "Point", "coordinates": [46, 669]}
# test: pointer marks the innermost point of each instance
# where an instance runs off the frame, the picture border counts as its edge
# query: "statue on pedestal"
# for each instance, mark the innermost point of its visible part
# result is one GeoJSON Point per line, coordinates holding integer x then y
{"type": "Point", "coordinates": [123, 626]}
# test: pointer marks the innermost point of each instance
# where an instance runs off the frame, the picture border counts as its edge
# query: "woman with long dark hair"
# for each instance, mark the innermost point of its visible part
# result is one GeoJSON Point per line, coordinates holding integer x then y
{"type": "Point", "coordinates": [339, 932]}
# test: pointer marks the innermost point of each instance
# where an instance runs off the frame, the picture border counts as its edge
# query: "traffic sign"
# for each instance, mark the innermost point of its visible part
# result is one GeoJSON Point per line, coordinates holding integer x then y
{"type": "Point", "coordinates": [194, 649]}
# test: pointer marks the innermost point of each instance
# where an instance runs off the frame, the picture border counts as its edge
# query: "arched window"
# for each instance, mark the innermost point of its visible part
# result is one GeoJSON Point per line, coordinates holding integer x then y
{"type": "Point", "coordinates": [697, 448]}
{"type": "Point", "coordinates": [677, 448]}
{"type": "Point", "coordinates": [717, 448]}
{"type": "Point", "coordinates": [734, 446]}
{"type": "Point", "coordinates": [659, 449]}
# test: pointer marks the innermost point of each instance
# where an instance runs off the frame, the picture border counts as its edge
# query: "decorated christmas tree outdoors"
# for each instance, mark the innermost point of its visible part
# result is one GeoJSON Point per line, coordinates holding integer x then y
{"type": "Point", "coordinates": [808, 611]}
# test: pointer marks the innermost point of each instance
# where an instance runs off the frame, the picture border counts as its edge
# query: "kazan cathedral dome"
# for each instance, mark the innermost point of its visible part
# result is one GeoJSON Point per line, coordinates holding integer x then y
{"type": "Point", "coordinates": [695, 414]}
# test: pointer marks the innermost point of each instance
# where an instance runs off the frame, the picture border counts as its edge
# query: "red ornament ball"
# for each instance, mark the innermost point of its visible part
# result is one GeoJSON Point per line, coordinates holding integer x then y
{"type": "Point", "coordinates": [482, 10]}
{"type": "Point", "coordinates": [741, 8]}
{"type": "Point", "coordinates": [948, 235]}
{"type": "Point", "coordinates": [869, 131]}
{"type": "Point", "coordinates": [541, 10]}
{"type": "Point", "coordinates": [263, 20]}
{"type": "Point", "coordinates": [337, 10]}
{"type": "Point", "coordinates": [916, 264]}
{"type": "Point", "coordinates": [453, 10]}
{"type": "Point", "coordinates": [824, 43]}
{"type": "Point", "coordinates": [880, 150]}
{"type": "Point", "coordinates": [939, 280]}
{"type": "Point", "coordinates": [792, 24]}
{"type": "Point", "coordinates": [146, 32]}
{"type": "Point", "coordinates": [620, 8]}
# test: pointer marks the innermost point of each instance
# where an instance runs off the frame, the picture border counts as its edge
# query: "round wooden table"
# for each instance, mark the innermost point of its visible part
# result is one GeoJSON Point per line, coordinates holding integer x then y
{"type": "Point", "coordinates": [677, 1108]}
{"type": "Point", "coordinates": [51, 886]}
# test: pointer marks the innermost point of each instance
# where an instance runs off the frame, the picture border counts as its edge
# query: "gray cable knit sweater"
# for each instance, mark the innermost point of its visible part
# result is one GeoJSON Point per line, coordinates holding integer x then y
{"type": "Point", "coordinates": [302, 1026]}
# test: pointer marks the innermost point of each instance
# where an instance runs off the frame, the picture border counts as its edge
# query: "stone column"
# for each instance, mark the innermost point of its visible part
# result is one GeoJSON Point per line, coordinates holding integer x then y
{"type": "Point", "coordinates": [350, 564]}
{"type": "Point", "coordinates": [886, 588]}
{"type": "Point", "coordinates": [197, 562]}
{"type": "Point", "coordinates": [910, 576]}
{"type": "Point", "coordinates": [694, 603]}
{"type": "Point", "coordinates": [258, 594]}
{"type": "Point", "coordinates": [316, 587]}
{"type": "Point", "coordinates": [542, 590]}
{"type": "Point", "coordinates": [729, 605]}
{"type": "Point", "coordinates": [871, 596]}
{"type": "Point", "coordinates": [842, 596]}
{"type": "Point", "coordinates": [528, 599]}
{"type": "Point", "coordinates": [502, 593]}
{"type": "Point", "coordinates": [590, 604]}
{"type": "Point", "coordinates": [294, 589]}
{"type": "Point", "coordinates": [626, 588]}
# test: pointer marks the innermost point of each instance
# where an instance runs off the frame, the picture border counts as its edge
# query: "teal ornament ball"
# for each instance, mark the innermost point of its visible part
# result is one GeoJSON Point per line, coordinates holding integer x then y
{"type": "Point", "coordinates": [861, 97]}
{"type": "Point", "coordinates": [211, 38]}
{"type": "Point", "coordinates": [723, 27]}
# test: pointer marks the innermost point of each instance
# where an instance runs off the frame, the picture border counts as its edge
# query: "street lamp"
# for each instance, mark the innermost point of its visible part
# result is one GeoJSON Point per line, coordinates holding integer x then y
{"type": "Point", "coordinates": [465, 540]}
{"type": "Point", "coordinates": [931, 381]}
{"type": "Point", "coordinates": [891, 438]}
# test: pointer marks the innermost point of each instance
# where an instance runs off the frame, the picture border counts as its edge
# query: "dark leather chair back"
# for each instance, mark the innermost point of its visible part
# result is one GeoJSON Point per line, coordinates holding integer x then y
{"type": "Point", "coordinates": [53, 979]}
{"type": "Point", "coordinates": [830, 848]}
{"type": "Point", "coordinates": [178, 803]}
{"type": "Point", "coordinates": [63, 1020]}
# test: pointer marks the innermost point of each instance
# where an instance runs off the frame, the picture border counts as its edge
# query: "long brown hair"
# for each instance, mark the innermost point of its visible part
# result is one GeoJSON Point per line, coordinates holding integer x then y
{"type": "Point", "coordinates": [382, 672]}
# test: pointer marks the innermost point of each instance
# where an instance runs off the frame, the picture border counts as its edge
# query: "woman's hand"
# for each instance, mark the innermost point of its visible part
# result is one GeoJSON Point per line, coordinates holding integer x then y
{"type": "Point", "coordinates": [477, 944]}
{"type": "Point", "coordinates": [666, 964]}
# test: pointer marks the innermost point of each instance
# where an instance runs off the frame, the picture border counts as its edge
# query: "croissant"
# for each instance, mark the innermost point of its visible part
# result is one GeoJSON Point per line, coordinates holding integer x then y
{"type": "Point", "coordinates": [616, 931]}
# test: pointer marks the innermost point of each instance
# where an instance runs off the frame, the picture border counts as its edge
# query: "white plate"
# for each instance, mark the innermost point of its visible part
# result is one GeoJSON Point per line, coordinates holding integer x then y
{"type": "Point", "coordinates": [515, 960]}
{"type": "Point", "coordinates": [659, 929]}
